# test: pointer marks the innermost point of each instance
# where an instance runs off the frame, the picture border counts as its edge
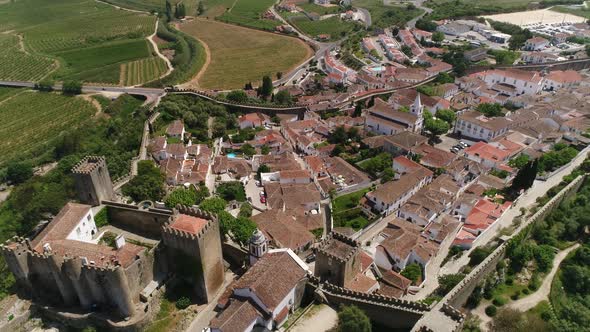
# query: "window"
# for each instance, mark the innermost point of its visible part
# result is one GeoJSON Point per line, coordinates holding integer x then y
{"type": "Point", "coordinates": [88, 217]}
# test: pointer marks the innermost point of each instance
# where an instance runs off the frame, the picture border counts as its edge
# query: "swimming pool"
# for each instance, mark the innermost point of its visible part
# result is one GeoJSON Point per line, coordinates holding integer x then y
{"type": "Point", "coordinates": [231, 155]}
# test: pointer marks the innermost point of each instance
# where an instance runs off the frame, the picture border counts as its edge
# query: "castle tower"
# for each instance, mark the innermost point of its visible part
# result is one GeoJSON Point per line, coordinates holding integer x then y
{"type": "Point", "coordinates": [337, 259]}
{"type": "Point", "coordinates": [93, 182]}
{"type": "Point", "coordinates": [258, 246]}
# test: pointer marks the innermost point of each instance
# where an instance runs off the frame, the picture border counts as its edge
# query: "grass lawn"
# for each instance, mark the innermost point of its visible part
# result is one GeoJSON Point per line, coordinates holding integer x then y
{"type": "Point", "coordinates": [332, 26]}
{"type": "Point", "coordinates": [240, 55]}
{"type": "Point", "coordinates": [248, 13]}
{"type": "Point", "coordinates": [31, 119]}
{"type": "Point", "coordinates": [346, 212]}
{"type": "Point", "coordinates": [384, 15]}
{"type": "Point", "coordinates": [312, 7]}
{"type": "Point", "coordinates": [86, 36]}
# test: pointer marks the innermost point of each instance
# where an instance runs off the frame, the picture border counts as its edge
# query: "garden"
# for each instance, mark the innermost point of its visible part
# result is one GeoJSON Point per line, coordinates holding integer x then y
{"type": "Point", "coordinates": [347, 212]}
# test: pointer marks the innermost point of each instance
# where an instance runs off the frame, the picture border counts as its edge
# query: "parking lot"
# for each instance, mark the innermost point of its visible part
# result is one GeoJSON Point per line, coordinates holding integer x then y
{"type": "Point", "coordinates": [448, 142]}
{"type": "Point", "coordinates": [253, 194]}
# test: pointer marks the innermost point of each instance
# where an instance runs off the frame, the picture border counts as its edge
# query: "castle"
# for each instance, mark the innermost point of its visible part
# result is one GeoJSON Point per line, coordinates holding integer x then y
{"type": "Point", "coordinates": [70, 265]}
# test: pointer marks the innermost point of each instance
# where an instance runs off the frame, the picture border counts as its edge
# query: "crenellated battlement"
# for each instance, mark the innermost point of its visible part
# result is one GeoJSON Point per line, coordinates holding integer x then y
{"type": "Point", "coordinates": [324, 245]}
{"type": "Point", "coordinates": [191, 211]}
{"type": "Point", "coordinates": [88, 164]}
{"type": "Point", "coordinates": [376, 298]}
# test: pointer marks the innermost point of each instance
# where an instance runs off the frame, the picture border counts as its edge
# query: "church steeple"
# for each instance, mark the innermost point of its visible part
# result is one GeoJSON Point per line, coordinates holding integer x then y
{"type": "Point", "coordinates": [258, 246]}
{"type": "Point", "coordinates": [417, 106]}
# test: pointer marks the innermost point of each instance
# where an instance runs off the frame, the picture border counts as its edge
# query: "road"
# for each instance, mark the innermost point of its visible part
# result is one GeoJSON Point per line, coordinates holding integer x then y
{"type": "Point", "coordinates": [542, 293]}
{"type": "Point", "coordinates": [419, 4]}
{"type": "Point", "coordinates": [366, 16]}
{"type": "Point", "coordinates": [526, 200]}
{"type": "Point", "coordinates": [94, 89]}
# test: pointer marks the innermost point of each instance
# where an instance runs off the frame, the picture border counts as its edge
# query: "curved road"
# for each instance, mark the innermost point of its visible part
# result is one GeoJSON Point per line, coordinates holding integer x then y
{"type": "Point", "coordinates": [419, 4]}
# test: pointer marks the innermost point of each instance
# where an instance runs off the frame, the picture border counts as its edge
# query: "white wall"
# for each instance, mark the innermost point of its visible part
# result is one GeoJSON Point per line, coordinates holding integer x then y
{"type": "Point", "coordinates": [85, 229]}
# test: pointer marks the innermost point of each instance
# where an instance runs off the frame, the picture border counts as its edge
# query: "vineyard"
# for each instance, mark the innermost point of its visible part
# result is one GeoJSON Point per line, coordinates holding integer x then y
{"type": "Point", "coordinates": [90, 39]}
{"type": "Point", "coordinates": [249, 13]}
{"type": "Point", "coordinates": [16, 65]}
{"type": "Point", "coordinates": [141, 71]}
{"type": "Point", "coordinates": [31, 119]}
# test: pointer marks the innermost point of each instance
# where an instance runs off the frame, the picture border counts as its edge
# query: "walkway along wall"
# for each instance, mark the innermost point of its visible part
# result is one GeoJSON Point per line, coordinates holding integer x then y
{"type": "Point", "coordinates": [457, 297]}
{"type": "Point", "coordinates": [388, 311]}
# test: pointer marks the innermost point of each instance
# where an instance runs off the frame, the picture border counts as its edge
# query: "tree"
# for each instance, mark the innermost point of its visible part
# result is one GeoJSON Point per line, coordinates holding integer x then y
{"type": "Point", "coordinates": [478, 255]}
{"type": "Point", "coordinates": [72, 87]}
{"type": "Point", "coordinates": [338, 136]}
{"type": "Point", "coordinates": [283, 97]}
{"type": "Point", "coordinates": [438, 36]}
{"type": "Point", "coordinates": [412, 272]}
{"type": "Point", "coordinates": [525, 177]}
{"type": "Point", "coordinates": [242, 229]}
{"type": "Point", "coordinates": [266, 88]}
{"type": "Point", "coordinates": [520, 161]}
{"type": "Point", "coordinates": [45, 85]}
{"type": "Point", "coordinates": [230, 191]}
{"type": "Point", "coordinates": [351, 318]}
{"type": "Point", "coordinates": [387, 175]}
{"type": "Point", "coordinates": [147, 185]}
{"type": "Point", "coordinates": [371, 102]}
{"type": "Point", "coordinates": [181, 196]}
{"type": "Point", "coordinates": [490, 110]}
{"type": "Point", "coordinates": [447, 282]}
{"type": "Point", "coordinates": [443, 78]}
{"type": "Point", "coordinates": [358, 110]}
{"type": "Point", "coordinates": [213, 205]}
{"type": "Point", "coordinates": [436, 126]}
{"type": "Point", "coordinates": [19, 172]}
{"type": "Point", "coordinates": [264, 149]}
{"type": "Point", "coordinates": [200, 8]}
{"type": "Point", "coordinates": [407, 50]}
{"type": "Point", "coordinates": [237, 96]}
{"type": "Point", "coordinates": [262, 169]}
{"type": "Point", "coordinates": [245, 210]}
{"type": "Point", "coordinates": [279, 75]}
{"type": "Point", "coordinates": [446, 115]}
{"type": "Point", "coordinates": [248, 150]}
{"type": "Point", "coordinates": [168, 11]}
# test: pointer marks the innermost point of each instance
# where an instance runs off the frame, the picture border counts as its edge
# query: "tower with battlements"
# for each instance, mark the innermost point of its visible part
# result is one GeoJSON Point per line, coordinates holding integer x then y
{"type": "Point", "coordinates": [337, 259]}
{"type": "Point", "coordinates": [193, 247]}
{"type": "Point", "coordinates": [92, 179]}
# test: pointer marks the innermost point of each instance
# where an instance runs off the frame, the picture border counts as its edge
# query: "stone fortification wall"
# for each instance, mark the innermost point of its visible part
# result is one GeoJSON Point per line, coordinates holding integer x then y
{"type": "Point", "coordinates": [146, 222]}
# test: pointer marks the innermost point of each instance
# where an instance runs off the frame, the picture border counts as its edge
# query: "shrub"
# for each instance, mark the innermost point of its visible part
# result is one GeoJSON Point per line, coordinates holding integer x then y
{"type": "Point", "coordinates": [499, 301]}
{"type": "Point", "coordinates": [515, 296]}
{"type": "Point", "coordinates": [183, 303]}
{"type": "Point", "coordinates": [491, 310]}
{"type": "Point", "coordinates": [526, 291]}
{"type": "Point", "coordinates": [509, 281]}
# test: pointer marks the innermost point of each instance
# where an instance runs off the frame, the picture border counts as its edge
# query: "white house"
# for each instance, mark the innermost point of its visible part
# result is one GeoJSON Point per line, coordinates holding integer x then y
{"type": "Point", "coordinates": [536, 44]}
{"type": "Point", "coordinates": [524, 82]}
{"type": "Point", "coordinates": [477, 126]}
{"type": "Point", "coordinates": [265, 295]}
{"type": "Point", "coordinates": [559, 79]}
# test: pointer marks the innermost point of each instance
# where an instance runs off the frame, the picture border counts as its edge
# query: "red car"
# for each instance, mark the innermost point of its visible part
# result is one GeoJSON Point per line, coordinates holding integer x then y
{"type": "Point", "coordinates": [262, 199]}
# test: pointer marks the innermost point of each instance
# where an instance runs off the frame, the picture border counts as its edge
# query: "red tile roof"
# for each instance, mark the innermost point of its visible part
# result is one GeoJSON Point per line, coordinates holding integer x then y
{"type": "Point", "coordinates": [188, 223]}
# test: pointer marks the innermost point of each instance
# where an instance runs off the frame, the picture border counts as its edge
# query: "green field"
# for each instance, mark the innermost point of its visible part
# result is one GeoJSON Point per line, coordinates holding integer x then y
{"type": "Point", "coordinates": [31, 119]}
{"type": "Point", "coordinates": [101, 63]}
{"type": "Point", "coordinates": [313, 8]}
{"type": "Point", "coordinates": [30, 66]}
{"type": "Point", "coordinates": [332, 26]}
{"type": "Point", "coordinates": [240, 55]}
{"type": "Point", "coordinates": [144, 70]}
{"type": "Point", "coordinates": [584, 12]}
{"type": "Point", "coordinates": [384, 16]}
{"type": "Point", "coordinates": [89, 39]}
{"type": "Point", "coordinates": [249, 13]}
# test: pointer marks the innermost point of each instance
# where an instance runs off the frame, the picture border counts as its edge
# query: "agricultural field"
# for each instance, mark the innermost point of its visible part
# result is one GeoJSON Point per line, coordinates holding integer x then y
{"type": "Point", "coordinates": [214, 8]}
{"type": "Point", "coordinates": [322, 10]}
{"type": "Point", "coordinates": [30, 66]}
{"type": "Point", "coordinates": [144, 70]}
{"type": "Point", "coordinates": [101, 63]}
{"type": "Point", "coordinates": [239, 55]}
{"type": "Point", "coordinates": [37, 118]}
{"type": "Point", "coordinates": [580, 11]}
{"type": "Point", "coordinates": [69, 30]}
{"type": "Point", "coordinates": [333, 26]}
{"type": "Point", "coordinates": [249, 13]}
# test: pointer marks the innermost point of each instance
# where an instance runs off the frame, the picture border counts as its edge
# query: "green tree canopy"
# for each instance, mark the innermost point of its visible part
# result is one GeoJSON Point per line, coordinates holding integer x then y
{"type": "Point", "coordinates": [351, 318]}
{"type": "Point", "coordinates": [283, 97]}
{"type": "Point", "coordinates": [237, 96]}
{"type": "Point", "coordinates": [267, 87]}
{"type": "Point", "coordinates": [213, 205]}
{"type": "Point", "coordinates": [446, 115]}
{"type": "Point", "coordinates": [181, 196]}
{"type": "Point", "coordinates": [490, 110]}
{"type": "Point", "coordinates": [147, 185]}
{"type": "Point", "coordinates": [72, 87]}
{"type": "Point", "coordinates": [248, 150]}
{"type": "Point", "coordinates": [436, 126]}
{"type": "Point", "coordinates": [19, 172]}
{"type": "Point", "coordinates": [438, 36]}
{"type": "Point", "coordinates": [413, 272]}
{"type": "Point", "coordinates": [230, 191]}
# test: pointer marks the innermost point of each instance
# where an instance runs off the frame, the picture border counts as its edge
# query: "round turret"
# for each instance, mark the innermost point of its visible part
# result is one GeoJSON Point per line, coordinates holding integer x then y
{"type": "Point", "coordinates": [258, 246]}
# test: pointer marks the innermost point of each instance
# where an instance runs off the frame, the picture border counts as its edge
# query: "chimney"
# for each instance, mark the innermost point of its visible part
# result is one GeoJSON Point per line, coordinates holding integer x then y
{"type": "Point", "coordinates": [46, 248]}
{"type": "Point", "coordinates": [120, 241]}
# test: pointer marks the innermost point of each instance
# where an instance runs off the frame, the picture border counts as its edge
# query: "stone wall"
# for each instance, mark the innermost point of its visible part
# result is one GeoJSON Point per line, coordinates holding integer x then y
{"type": "Point", "coordinates": [147, 222]}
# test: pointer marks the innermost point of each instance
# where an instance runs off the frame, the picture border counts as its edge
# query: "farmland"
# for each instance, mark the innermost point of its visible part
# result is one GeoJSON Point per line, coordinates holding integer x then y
{"type": "Point", "coordinates": [384, 15]}
{"type": "Point", "coordinates": [332, 26]}
{"type": "Point", "coordinates": [144, 70]}
{"type": "Point", "coordinates": [240, 55]}
{"type": "Point", "coordinates": [68, 31]}
{"type": "Point", "coordinates": [30, 66]}
{"type": "Point", "coordinates": [37, 118]}
{"type": "Point", "coordinates": [248, 13]}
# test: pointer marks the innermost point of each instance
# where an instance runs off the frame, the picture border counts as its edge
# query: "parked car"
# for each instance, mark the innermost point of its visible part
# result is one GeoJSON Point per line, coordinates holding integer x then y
{"type": "Point", "coordinates": [454, 150]}
{"type": "Point", "coordinates": [465, 145]}
{"type": "Point", "coordinates": [310, 258]}
{"type": "Point", "coordinates": [258, 184]}
{"type": "Point", "coordinates": [262, 199]}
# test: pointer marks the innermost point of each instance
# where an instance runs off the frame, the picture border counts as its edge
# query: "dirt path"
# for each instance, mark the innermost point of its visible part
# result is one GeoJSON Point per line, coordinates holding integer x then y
{"type": "Point", "coordinates": [542, 293]}
{"type": "Point", "coordinates": [323, 319]}
{"type": "Point", "coordinates": [157, 50]}
{"type": "Point", "coordinates": [94, 102]}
